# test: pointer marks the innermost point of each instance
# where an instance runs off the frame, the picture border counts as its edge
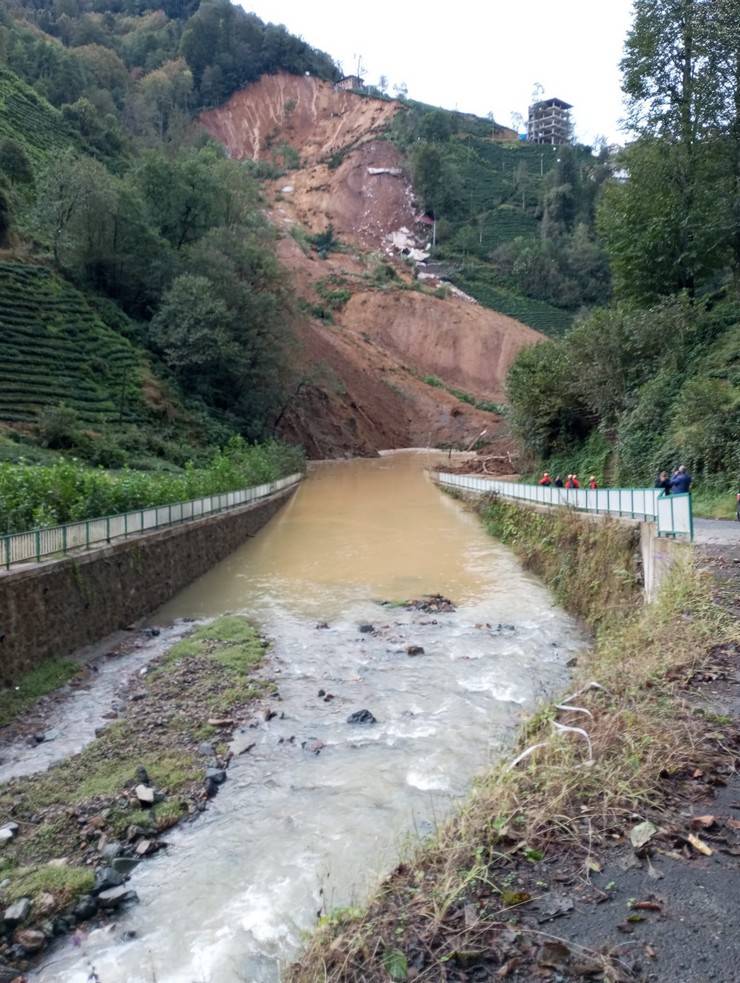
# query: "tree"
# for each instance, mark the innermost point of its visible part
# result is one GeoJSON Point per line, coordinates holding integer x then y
{"type": "Point", "coordinates": [14, 162]}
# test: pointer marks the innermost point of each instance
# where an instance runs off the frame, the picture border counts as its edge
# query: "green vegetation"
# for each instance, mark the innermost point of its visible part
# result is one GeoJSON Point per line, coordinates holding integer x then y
{"type": "Point", "coordinates": [654, 380]}
{"type": "Point", "coordinates": [213, 668]}
{"type": "Point", "coordinates": [38, 682]}
{"type": "Point", "coordinates": [162, 329]}
{"type": "Point", "coordinates": [514, 220]}
{"type": "Point", "coordinates": [66, 491]}
{"type": "Point", "coordinates": [644, 739]}
{"type": "Point", "coordinates": [481, 404]}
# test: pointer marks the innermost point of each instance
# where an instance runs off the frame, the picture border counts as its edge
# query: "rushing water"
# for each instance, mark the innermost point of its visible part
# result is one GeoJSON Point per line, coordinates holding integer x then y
{"type": "Point", "coordinates": [293, 833]}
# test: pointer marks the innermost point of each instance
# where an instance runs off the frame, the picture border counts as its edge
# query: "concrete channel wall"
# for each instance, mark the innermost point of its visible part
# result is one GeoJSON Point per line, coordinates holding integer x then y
{"type": "Point", "coordinates": [51, 609]}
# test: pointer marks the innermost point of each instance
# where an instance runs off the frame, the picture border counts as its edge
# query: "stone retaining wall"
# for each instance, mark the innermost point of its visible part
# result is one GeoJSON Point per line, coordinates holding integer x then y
{"type": "Point", "coordinates": [52, 609]}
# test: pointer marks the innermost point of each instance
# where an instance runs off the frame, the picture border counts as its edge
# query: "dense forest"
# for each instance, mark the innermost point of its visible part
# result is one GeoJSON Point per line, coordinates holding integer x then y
{"type": "Point", "coordinates": [102, 177]}
{"type": "Point", "coordinates": [653, 379]}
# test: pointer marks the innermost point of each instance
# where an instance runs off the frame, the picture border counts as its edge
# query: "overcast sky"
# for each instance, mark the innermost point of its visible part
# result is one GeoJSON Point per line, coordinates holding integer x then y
{"type": "Point", "coordinates": [477, 55]}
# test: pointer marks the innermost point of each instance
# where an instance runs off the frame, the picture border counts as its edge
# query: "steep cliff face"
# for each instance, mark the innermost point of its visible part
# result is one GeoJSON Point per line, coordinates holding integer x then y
{"type": "Point", "coordinates": [359, 365]}
{"type": "Point", "coordinates": [309, 114]}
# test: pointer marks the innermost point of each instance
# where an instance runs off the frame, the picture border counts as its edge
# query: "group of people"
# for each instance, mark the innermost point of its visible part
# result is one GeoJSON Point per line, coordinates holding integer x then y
{"type": "Point", "coordinates": [678, 483]}
{"type": "Point", "coordinates": [570, 482]}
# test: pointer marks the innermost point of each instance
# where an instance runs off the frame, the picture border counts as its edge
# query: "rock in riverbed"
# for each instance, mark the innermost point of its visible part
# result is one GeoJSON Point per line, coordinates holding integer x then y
{"type": "Point", "coordinates": [116, 896]}
{"type": "Point", "coordinates": [31, 939]}
{"type": "Point", "coordinates": [361, 717]}
{"type": "Point", "coordinates": [145, 794]}
{"type": "Point", "coordinates": [414, 650]}
{"type": "Point", "coordinates": [8, 832]}
{"type": "Point", "coordinates": [17, 912]}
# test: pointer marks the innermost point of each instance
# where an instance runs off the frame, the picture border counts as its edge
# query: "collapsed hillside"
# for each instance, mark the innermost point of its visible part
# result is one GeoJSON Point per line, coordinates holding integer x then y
{"type": "Point", "coordinates": [371, 330]}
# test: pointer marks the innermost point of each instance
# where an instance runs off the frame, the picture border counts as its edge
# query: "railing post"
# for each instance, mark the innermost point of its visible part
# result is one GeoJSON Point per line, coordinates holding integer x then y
{"type": "Point", "coordinates": [125, 525]}
{"type": "Point", "coordinates": [87, 534]}
{"type": "Point", "coordinates": [107, 529]}
{"type": "Point", "coordinates": [64, 539]}
{"type": "Point", "coordinates": [7, 552]}
{"type": "Point", "coordinates": [38, 545]}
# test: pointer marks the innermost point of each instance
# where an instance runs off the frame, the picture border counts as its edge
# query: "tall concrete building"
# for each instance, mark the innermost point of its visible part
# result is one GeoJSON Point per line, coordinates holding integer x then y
{"type": "Point", "coordinates": [549, 122]}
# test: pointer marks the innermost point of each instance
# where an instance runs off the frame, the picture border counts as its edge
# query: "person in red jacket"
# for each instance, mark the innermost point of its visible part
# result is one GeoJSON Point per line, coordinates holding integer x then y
{"type": "Point", "coordinates": [569, 481]}
{"type": "Point", "coordinates": [576, 482]}
{"type": "Point", "coordinates": [593, 483]}
{"type": "Point", "coordinates": [545, 479]}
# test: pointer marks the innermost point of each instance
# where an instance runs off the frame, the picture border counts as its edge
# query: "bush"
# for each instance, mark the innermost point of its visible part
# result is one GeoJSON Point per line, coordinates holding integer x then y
{"type": "Point", "coordinates": [58, 427]}
{"type": "Point", "coordinates": [67, 491]}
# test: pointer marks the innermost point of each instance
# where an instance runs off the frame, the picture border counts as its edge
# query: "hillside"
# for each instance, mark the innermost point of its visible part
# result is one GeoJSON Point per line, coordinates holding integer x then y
{"type": "Point", "coordinates": [373, 320]}
{"type": "Point", "coordinates": [66, 373]}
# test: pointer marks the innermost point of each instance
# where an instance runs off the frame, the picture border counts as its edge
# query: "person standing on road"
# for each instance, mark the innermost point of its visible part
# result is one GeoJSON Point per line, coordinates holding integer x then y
{"type": "Point", "coordinates": [593, 483]}
{"type": "Point", "coordinates": [664, 482]}
{"type": "Point", "coordinates": [545, 479]}
{"type": "Point", "coordinates": [681, 481]}
{"type": "Point", "coordinates": [558, 482]}
{"type": "Point", "coordinates": [576, 482]}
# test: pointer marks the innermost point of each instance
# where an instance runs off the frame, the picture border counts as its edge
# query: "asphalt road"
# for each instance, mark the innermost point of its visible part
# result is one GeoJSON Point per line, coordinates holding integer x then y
{"type": "Point", "coordinates": [718, 532]}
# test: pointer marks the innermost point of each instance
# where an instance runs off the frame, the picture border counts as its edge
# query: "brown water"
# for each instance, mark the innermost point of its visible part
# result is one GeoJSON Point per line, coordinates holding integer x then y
{"type": "Point", "coordinates": [292, 833]}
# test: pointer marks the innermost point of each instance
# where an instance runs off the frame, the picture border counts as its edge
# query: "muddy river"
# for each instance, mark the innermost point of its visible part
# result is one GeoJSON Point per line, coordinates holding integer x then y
{"type": "Point", "coordinates": [294, 834]}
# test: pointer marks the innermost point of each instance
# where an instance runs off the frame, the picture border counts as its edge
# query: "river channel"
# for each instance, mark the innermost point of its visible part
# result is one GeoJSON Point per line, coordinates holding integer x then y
{"type": "Point", "coordinates": [292, 833]}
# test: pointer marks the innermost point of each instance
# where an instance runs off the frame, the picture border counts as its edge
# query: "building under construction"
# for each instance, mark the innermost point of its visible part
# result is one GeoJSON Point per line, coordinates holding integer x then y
{"type": "Point", "coordinates": [549, 122]}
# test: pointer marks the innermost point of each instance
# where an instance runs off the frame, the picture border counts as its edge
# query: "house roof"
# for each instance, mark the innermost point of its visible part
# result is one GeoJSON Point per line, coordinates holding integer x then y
{"type": "Point", "coordinates": [560, 103]}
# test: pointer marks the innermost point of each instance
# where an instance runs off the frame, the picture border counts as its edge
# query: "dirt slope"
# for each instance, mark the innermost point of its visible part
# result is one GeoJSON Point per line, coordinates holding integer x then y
{"type": "Point", "coordinates": [359, 372]}
{"type": "Point", "coordinates": [468, 346]}
{"type": "Point", "coordinates": [304, 112]}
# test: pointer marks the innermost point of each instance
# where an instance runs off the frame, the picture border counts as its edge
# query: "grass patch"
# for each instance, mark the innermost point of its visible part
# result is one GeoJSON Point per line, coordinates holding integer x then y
{"type": "Point", "coordinates": [47, 677]}
{"type": "Point", "coordinates": [65, 883]}
{"type": "Point", "coordinates": [553, 805]}
{"type": "Point", "coordinates": [713, 503]}
{"type": "Point", "coordinates": [205, 675]}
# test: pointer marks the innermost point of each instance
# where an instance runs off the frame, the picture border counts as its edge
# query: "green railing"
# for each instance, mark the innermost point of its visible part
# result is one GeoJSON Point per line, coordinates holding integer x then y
{"type": "Point", "coordinates": [671, 514]}
{"type": "Point", "coordinates": [54, 541]}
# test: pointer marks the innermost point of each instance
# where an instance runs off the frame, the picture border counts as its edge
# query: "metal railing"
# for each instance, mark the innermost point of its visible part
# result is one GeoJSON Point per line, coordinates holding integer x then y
{"type": "Point", "coordinates": [671, 513]}
{"type": "Point", "coordinates": [54, 541]}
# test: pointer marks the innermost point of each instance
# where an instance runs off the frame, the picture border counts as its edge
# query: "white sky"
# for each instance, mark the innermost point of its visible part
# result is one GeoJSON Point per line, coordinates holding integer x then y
{"type": "Point", "coordinates": [477, 56]}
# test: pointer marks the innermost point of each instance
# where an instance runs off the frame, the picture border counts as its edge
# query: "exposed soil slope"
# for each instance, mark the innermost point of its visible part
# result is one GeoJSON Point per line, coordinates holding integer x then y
{"type": "Point", "coordinates": [459, 341]}
{"type": "Point", "coordinates": [307, 113]}
{"type": "Point", "coordinates": [359, 372]}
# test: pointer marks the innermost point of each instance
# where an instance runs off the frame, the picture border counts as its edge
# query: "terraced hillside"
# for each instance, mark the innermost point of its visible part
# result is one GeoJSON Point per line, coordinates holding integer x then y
{"type": "Point", "coordinates": [27, 117]}
{"type": "Point", "coordinates": [55, 349]}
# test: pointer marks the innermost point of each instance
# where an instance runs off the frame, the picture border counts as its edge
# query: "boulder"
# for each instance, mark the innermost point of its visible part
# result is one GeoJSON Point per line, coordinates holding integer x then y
{"type": "Point", "coordinates": [111, 850]}
{"type": "Point", "coordinates": [218, 775]}
{"type": "Point", "coordinates": [8, 833]}
{"type": "Point", "coordinates": [145, 794]}
{"type": "Point", "coordinates": [85, 908]}
{"type": "Point", "coordinates": [365, 628]}
{"type": "Point", "coordinates": [414, 650]}
{"type": "Point", "coordinates": [116, 896]}
{"type": "Point", "coordinates": [361, 717]}
{"type": "Point", "coordinates": [107, 877]}
{"type": "Point", "coordinates": [44, 903]}
{"type": "Point", "coordinates": [124, 865]}
{"type": "Point", "coordinates": [17, 912]}
{"type": "Point", "coordinates": [30, 938]}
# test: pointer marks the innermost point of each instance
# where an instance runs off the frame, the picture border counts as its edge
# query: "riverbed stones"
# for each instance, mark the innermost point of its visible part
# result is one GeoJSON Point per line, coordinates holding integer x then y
{"type": "Point", "coordinates": [365, 628]}
{"type": "Point", "coordinates": [217, 775]}
{"type": "Point", "coordinates": [361, 717]}
{"type": "Point", "coordinates": [44, 903]}
{"type": "Point", "coordinates": [107, 877]}
{"type": "Point", "coordinates": [145, 794]}
{"type": "Point", "coordinates": [124, 865]}
{"type": "Point", "coordinates": [85, 908]}
{"type": "Point", "coordinates": [17, 912]}
{"type": "Point", "coordinates": [30, 938]}
{"type": "Point", "coordinates": [116, 896]}
{"type": "Point", "coordinates": [8, 973]}
{"type": "Point", "coordinates": [8, 833]}
{"type": "Point", "coordinates": [414, 650]}
{"type": "Point", "coordinates": [111, 850]}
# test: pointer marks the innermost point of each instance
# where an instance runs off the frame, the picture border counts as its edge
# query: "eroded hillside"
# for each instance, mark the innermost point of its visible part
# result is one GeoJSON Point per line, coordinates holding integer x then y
{"type": "Point", "coordinates": [373, 325]}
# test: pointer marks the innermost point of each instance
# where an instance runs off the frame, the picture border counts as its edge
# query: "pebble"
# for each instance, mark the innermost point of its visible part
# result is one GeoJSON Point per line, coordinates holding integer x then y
{"type": "Point", "coordinates": [361, 717]}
